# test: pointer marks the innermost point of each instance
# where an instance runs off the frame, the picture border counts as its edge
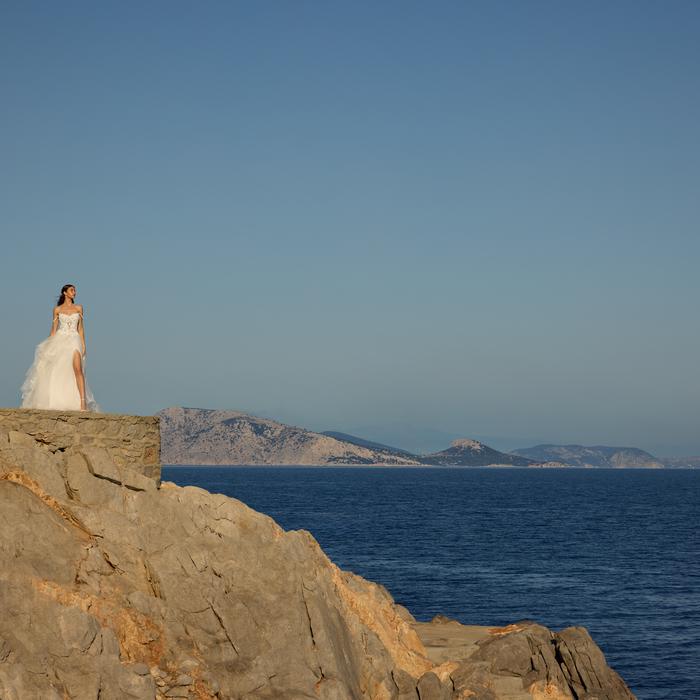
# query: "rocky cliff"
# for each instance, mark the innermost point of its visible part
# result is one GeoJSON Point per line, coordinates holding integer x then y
{"type": "Point", "coordinates": [132, 441]}
{"type": "Point", "coordinates": [114, 588]}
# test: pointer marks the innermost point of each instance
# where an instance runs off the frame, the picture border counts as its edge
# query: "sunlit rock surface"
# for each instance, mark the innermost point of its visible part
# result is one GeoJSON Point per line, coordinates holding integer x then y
{"type": "Point", "coordinates": [114, 588]}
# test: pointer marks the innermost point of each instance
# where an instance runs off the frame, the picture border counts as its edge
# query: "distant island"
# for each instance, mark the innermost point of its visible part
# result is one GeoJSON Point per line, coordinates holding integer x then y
{"type": "Point", "coordinates": [597, 456]}
{"type": "Point", "coordinates": [201, 436]}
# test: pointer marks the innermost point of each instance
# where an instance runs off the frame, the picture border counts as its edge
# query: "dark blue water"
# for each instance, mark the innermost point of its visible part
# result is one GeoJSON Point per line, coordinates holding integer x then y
{"type": "Point", "coordinates": [616, 551]}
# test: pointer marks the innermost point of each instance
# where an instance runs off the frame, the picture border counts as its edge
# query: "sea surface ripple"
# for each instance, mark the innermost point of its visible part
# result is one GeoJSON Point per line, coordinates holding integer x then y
{"type": "Point", "coordinates": [616, 551]}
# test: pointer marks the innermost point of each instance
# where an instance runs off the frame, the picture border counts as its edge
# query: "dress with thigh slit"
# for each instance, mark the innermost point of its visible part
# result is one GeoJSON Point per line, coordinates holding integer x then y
{"type": "Point", "coordinates": [50, 382]}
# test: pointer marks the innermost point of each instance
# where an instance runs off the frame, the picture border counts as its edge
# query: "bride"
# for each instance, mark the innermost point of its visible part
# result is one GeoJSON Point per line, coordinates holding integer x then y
{"type": "Point", "coordinates": [56, 379]}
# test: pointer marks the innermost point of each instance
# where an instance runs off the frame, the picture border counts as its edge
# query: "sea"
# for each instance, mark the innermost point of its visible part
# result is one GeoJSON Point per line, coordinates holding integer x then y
{"type": "Point", "coordinates": [614, 550]}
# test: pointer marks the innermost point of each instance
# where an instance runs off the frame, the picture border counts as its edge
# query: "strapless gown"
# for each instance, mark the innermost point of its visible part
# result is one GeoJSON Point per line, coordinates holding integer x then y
{"type": "Point", "coordinates": [50, 381]}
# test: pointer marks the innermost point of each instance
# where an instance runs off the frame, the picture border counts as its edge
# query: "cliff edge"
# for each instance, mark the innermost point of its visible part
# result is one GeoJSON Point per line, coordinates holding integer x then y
{"type": "Point", "coordinates": [113, 586]}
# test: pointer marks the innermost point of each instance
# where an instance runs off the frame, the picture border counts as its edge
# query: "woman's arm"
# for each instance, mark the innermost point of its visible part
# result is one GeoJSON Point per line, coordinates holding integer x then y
{"type": "Point", "coordinates": [81, 330]}
{"type": "Point", "coordinates": [54, 322]}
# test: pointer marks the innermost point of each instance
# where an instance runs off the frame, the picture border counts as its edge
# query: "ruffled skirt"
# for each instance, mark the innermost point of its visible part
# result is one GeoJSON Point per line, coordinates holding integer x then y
{"type": "Point", "coordinates": [50, 382]}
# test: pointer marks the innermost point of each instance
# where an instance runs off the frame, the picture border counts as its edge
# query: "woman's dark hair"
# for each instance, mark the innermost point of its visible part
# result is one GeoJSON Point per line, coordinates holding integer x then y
{"type": "Point", "coordinates": [64, 289]}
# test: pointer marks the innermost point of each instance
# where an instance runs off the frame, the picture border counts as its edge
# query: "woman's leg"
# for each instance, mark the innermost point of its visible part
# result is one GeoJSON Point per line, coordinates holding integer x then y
{"type": "Point", "coordinates": [79, 378]}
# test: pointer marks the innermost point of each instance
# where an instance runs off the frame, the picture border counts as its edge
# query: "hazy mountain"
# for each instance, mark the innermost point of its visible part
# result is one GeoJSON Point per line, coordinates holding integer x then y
{"type": "Point", "coordinates": [681, 462]}
{"type": "Point", "coordinates": [412, 438]}
{"type": "Point", "coordinates": [205, 436]}
{"type": "Point", "coordinates": [595, 456]}
{"type": "Point", "coordinates": [472, 453]}
{"type": "Point", "coordinates": [364, 443]}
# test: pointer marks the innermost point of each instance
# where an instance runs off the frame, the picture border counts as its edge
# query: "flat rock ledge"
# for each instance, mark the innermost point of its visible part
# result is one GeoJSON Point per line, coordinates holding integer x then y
{"type": "Point", "coordinates": [114, 586]}
{"type": "Point", "coordinates": [132, 441]}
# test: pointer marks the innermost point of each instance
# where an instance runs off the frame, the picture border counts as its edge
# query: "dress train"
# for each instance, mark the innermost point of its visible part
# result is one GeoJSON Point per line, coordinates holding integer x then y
{"type": "Point", "coordinates": [50, 382]}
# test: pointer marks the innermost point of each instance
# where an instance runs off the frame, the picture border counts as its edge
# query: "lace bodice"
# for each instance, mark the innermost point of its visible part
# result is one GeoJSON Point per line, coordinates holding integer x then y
{"type": "Point", "coordinates": [68, 323]}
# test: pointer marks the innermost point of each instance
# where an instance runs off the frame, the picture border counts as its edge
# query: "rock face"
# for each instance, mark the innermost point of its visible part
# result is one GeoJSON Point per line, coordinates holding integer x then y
{"type": "Point", "coordinates": [520, 662]}
{"type": "Point", "coordinates": [204, 436]}
{"type": "Point", "coordinates": [112, 588]}
{"type": "Point", "coordinates": [126, 440]}
{"type": "Point", "coordinates": [597, 456]}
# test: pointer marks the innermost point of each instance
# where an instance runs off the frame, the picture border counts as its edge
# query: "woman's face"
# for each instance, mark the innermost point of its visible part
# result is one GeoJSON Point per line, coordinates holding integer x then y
{"type": "Point", "coordinates": [70, 292]}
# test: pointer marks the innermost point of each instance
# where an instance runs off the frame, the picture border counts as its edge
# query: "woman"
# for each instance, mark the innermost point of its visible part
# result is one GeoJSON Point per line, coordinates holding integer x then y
{"type": "Point", "coordinates": [56, 379]}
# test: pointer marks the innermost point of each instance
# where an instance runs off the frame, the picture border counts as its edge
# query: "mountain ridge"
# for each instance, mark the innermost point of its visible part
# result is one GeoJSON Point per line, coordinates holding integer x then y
{"type": "Point", "coordinates": [467, 452]}
{"type": "Point", "coordinates": [592, 456]}
{"type": "Point", "coordinates": [219, 437]}
{"type": "Point", "coordinates": [204, 436]}
{"type": "Point", "coordinates": [216, 436]}
{"type": "Point", "coordinates": [362, 442]}
{"type": "Point", "coordinates": [692, 462]}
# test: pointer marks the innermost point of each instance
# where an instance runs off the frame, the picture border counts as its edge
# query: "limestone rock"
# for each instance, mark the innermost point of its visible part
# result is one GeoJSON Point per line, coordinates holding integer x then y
{"type": "Point", "coordinates": [100, 464]}
{"type": "Point", "coordinates": [585, 668]}
{"type": "Point", "coordinates": [523, 661]}
{"type": "Point", "coordinates": [111, 591]}
{"type": "Point", "coordinates": [132, 441]}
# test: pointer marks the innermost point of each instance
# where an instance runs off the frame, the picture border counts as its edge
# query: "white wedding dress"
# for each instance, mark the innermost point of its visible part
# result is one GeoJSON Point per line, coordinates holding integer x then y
{"type": "Point", "coordinates": [50, 382]}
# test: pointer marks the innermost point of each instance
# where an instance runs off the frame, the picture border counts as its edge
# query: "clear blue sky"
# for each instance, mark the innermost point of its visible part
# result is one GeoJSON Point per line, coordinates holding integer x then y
{"type": "Point", "coordinates": [410, 220]}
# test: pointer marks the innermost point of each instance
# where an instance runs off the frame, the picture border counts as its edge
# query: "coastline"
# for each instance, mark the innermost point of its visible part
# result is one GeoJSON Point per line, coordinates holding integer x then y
{"type": "Point", "coordinates": [457, 467]}
{"type": "Point", "coordinates": [134, 586]}
{"type": "Point", "coordinates": [493, 546]}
